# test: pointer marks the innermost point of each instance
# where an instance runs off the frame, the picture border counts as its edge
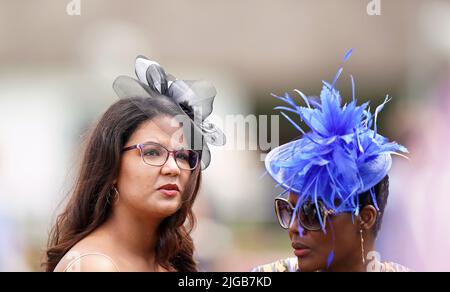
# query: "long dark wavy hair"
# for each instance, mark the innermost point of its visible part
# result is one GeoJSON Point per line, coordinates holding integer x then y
{"type": "Point", "coordinates": [88, 206]}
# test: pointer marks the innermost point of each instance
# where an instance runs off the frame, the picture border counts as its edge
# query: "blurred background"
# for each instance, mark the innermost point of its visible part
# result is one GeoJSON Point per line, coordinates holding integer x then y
{"type": "Point", "coordinates": [56, 72]}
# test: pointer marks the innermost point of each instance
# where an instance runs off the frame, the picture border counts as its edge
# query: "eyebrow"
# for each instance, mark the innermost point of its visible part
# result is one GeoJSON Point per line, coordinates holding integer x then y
{"type": "Point", "coordinates": [178, 148]}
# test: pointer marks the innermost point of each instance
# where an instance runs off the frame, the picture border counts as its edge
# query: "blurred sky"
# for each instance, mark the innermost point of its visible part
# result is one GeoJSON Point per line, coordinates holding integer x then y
{"type": "Point", "coordinates": [56, 73]}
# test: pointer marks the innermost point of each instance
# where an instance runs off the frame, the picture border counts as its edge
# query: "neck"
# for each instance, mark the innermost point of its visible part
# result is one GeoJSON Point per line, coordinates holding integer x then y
{"type": "Point", "coordinates": [133, 234]}
{"type": "Point", "coordinates": [354, 262]}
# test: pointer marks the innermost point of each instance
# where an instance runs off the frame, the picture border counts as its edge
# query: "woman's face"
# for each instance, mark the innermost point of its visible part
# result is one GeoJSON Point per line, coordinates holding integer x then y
{"type": "Point", "coordinates": [313, 248]}
{"type": "Point", "coordinates": [144, 188]}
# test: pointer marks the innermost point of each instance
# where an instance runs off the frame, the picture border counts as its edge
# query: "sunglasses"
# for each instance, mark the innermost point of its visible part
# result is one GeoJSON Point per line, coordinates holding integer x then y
{"type": "Point", "coordinates": [307, 214]}
{"type": "Point", "coordinates": [155, 154]}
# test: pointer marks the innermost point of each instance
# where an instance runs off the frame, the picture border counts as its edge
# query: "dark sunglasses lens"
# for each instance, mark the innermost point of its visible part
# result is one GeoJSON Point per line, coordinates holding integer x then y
{"type": "Point", "coordinates": [284, 213]}
{"type": "Point", "coordinates": [309, 217]}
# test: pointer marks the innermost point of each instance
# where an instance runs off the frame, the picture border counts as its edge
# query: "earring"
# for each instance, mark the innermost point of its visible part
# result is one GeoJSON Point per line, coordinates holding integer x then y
{"type": "Point", "coordinates": [116, 195]}
{"type": "Point", "coordinates": [362, 246]}
{"type": "Point", "coordinates": [117, 198]}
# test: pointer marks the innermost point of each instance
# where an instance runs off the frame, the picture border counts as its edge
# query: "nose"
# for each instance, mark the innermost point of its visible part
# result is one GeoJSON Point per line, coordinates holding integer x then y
{"type": "Point", "coordinates": [170, 167]}
{"type": "Point", "coordinates": [295, 229]}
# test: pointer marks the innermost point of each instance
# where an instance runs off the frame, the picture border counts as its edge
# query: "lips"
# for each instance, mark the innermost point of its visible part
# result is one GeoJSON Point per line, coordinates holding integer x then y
{"type": "Point", "coordinates": [169, 190]}
{"type": "Point", "coordinates": [170, 187]}
{"type": "Point", "coordinates": [300, 250]}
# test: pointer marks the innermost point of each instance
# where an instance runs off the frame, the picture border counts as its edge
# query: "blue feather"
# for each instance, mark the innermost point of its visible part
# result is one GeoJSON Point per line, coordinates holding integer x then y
{"type": "Point", "coordinates": [293, 123]}
{"type": "Point", "coordinates": [377, 111]}
{"type": "Point", "coordinates": [330, 259]}
{"type": "Point", "coordinates": [338, 74]}
{"type": "Point", "coordinates": [303, 96]}
{"type": "Point", "coordinates": [325, 163]}
{"type": "Point", "coordinates": [347, 55]}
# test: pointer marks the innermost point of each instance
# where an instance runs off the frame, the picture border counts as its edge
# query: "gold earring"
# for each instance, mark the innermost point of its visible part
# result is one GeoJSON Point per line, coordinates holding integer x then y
{"type": "Point", "coordinates": [362, 246]}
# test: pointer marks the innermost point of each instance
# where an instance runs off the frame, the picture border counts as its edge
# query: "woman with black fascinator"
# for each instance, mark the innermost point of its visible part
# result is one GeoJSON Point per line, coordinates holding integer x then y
{"type": "Point", "coordinates": [131, 207]}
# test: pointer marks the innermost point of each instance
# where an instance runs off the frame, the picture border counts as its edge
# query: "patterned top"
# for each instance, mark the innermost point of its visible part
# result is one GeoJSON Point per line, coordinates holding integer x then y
{"type": "Point", "coordinates": [286, 265]}
{"type": "Point", "coordinates": [291, 265]}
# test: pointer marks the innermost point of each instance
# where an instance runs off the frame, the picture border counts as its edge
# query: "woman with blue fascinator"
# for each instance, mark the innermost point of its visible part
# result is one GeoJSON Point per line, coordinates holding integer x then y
{"type": "Point", "coordinates": [131, 207]}
{"type": "Point", "coordinates": [336, 184]}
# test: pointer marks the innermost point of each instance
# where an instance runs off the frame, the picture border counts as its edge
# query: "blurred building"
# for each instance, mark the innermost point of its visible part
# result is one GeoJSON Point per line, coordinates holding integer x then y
{"type": "Point", "coordinates": [56, 73]}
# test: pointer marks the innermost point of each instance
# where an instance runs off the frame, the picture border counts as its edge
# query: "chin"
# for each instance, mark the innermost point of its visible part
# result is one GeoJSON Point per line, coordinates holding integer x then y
{"type": "Point", "coordinates": [165, 209]}
{"type": "Point", "coordinates": [308, 265]}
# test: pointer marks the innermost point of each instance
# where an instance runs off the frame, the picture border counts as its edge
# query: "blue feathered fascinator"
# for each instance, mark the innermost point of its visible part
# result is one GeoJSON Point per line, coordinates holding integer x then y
{"type": "Point", "coordinates": [341, 156]}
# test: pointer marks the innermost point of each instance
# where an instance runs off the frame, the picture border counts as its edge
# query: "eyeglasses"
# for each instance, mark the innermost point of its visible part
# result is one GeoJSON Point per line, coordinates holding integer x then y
{"type": "Point", "coordinates": [307, 214]}
{"type": "Point", "coordinates": [155, 154]}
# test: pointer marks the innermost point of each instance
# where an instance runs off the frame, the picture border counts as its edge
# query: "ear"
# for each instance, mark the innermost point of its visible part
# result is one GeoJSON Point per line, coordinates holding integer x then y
{"type": "Point", "coordinates": [368, 216]}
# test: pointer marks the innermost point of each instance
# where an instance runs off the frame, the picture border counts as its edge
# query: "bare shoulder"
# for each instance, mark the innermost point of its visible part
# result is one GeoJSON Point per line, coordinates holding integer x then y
{"type": "Point", "coordinates": [87, 262]}
{"type": "Point", "coordinates": [88, 256]}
